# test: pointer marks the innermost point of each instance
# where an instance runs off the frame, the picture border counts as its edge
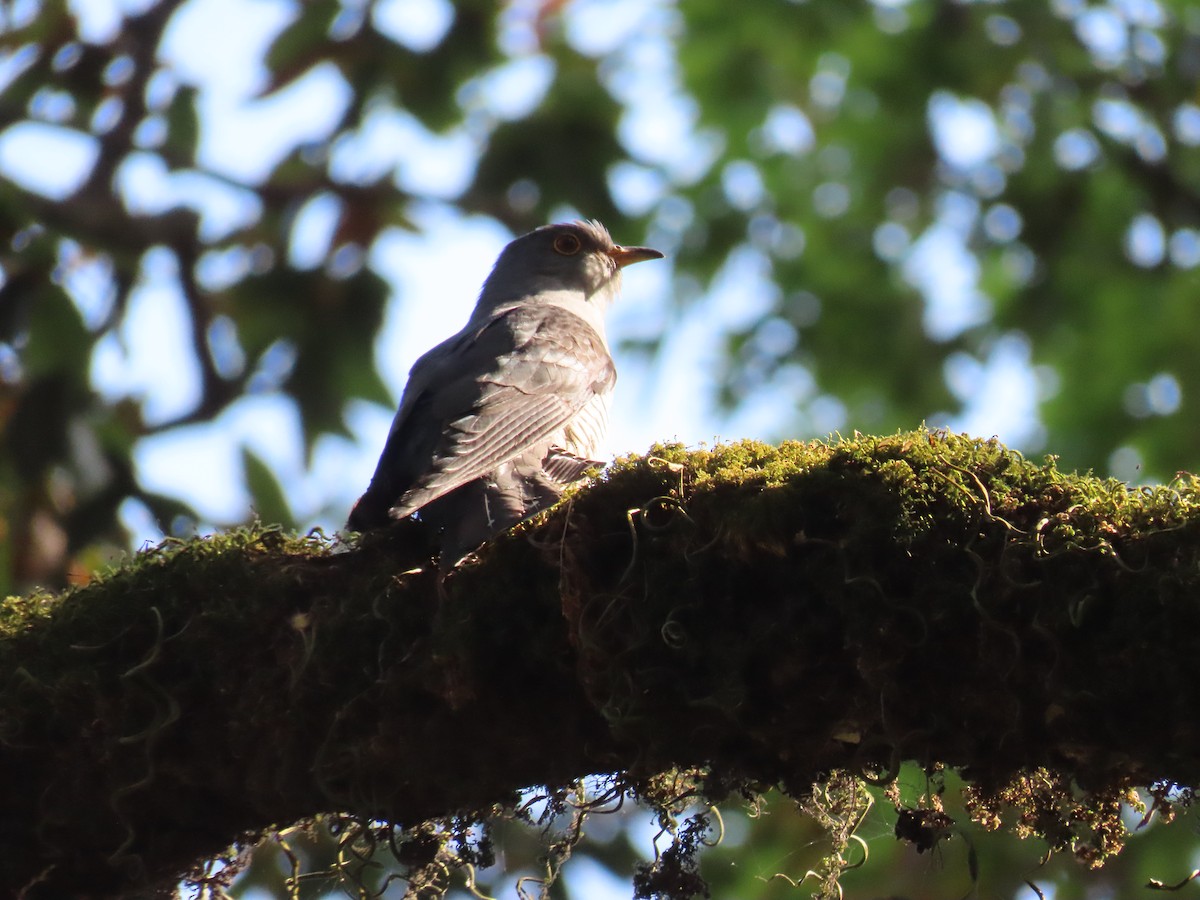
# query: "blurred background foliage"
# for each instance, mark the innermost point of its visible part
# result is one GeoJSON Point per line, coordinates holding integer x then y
{"type": "Point", "coordinates": [958, 212]}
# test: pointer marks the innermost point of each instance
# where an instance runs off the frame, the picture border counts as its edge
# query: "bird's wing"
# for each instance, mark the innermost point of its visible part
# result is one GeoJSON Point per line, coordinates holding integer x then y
{"type": "Point", "coordinates": [479, 400]}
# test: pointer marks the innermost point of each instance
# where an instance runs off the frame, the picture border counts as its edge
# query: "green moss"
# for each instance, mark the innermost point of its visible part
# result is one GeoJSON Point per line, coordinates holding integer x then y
{"type": "Point", "coordinates": [746, 615]}
{"type": "Point", "coordinates": [910, 565]}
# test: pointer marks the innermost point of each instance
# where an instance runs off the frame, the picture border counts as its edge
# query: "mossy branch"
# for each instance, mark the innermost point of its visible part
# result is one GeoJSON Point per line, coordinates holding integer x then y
{"type": "Point", "coordinates": [769, 614]}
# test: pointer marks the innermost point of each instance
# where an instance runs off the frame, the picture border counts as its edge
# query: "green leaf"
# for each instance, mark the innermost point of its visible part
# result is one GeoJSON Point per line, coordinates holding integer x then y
{"type": "Point", "coordinates": [183, 125]}
{"type": "Point", "coordinates": [301, 44]}
{"type": "Point", "coordinates": [268, 496]}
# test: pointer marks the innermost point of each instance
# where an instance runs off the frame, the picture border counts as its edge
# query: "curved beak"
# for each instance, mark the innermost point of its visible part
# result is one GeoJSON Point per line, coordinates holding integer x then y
{"type": "Point", "coordinates": [627, 256]}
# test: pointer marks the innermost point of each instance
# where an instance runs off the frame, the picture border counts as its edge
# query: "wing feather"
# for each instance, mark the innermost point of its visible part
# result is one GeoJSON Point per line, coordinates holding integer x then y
{"type": "Point", "coordinates": [480, 400]}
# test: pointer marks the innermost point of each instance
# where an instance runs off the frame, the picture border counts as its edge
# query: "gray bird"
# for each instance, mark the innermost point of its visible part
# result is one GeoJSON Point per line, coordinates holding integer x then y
{"type": "Point", "coordinates": [496, 421]}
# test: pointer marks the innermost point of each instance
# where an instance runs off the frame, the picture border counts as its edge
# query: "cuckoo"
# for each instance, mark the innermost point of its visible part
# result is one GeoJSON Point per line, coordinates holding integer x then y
{"type": "Point", "coordinates": [497, 420]}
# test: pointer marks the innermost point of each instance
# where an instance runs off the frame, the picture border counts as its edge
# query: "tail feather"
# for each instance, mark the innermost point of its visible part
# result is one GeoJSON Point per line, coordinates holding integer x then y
{"type": "Point", "coordinates": [371, 511]}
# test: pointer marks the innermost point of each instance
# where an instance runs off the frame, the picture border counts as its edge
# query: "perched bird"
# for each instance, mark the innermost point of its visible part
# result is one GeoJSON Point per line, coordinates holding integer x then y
{"type": "Point", "coordinates": [496, 421]}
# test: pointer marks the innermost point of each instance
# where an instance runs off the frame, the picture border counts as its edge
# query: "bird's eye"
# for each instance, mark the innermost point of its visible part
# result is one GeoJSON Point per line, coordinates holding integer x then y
{"type": "Point", "coordinates": [567, 244]}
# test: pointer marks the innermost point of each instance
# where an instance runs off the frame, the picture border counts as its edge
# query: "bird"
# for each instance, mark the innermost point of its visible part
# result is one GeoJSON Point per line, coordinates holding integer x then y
{"type": "Point", "coordinates": [495, 422]}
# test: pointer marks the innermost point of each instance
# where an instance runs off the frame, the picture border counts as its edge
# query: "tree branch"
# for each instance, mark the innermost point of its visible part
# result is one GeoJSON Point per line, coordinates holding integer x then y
{"type": "Point", "coordinates": [769, 613]}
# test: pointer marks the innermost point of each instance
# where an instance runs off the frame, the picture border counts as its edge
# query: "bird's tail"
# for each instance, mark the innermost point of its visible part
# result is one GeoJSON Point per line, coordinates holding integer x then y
{"type": "Point", "coordinates": [371, 511]}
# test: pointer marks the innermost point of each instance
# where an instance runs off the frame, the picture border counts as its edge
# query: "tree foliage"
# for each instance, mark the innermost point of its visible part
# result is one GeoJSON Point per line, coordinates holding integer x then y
{"type": "Point", "coordinates": [810, 143]}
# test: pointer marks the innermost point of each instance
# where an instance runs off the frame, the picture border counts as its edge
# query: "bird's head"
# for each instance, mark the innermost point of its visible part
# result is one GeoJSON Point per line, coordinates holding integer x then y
{"type": "Point", "coordinates": [573, 257]}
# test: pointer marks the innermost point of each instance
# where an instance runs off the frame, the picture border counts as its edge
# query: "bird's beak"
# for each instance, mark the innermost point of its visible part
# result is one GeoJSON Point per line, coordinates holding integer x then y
{"type": "Point", "coordinates": [627, 256]}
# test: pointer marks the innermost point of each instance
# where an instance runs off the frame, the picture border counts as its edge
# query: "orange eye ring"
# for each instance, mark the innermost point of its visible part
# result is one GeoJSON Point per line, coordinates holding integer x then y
{"type": "Point", "coordinates": [567, 244]}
